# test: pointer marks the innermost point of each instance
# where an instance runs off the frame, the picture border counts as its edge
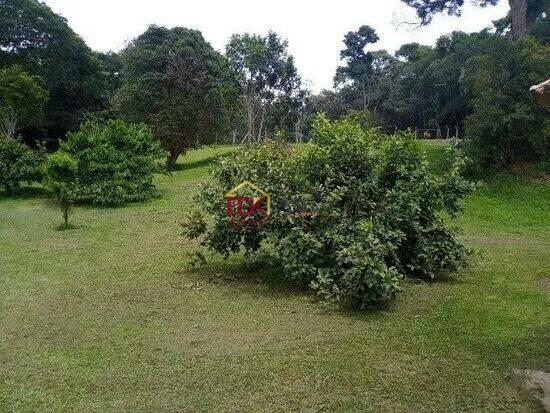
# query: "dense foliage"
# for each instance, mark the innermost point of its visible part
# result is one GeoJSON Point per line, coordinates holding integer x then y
{"type": "Point", "coordinates": [473, 86]}
{"type": "Point", "coordinates": [18, 163]}
{"type": "Point", "coordinates": [22, 100]}
{"type": "Point", "coordinates": [178, 84]}
{"type": "Point", "coordinates": [115, 161]}
{"type": "Point", "coordinates": [476, 84]}
{"type": "Point", "coordinates": [354, 212]}
{"type": "Point", "coordinates": [43, 44]}
{"type": "Point", "coordinates": [503, 124]}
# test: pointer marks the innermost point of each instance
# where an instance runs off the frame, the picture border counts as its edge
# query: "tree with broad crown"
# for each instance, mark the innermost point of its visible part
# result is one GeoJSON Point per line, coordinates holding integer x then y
{"type": "Point", "coordinates": [177, 83]}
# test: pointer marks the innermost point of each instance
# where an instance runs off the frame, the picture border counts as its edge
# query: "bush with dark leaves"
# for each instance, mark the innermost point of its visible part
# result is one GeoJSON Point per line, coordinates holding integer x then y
{"type": "Point", "coordinates": [369, 215]}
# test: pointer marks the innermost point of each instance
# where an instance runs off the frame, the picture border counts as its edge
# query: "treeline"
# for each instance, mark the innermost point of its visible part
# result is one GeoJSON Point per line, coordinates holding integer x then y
{"type": "Point", "coordinates": [190, 94]}
{"type": "Point", "coordinates": [171, 79]}
{"type": "Point", "coordinates": [476, 83]}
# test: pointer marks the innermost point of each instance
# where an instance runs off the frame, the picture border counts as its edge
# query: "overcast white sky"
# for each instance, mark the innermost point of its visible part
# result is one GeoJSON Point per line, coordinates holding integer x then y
{"type": "Point", "coordinates": [314, 29]}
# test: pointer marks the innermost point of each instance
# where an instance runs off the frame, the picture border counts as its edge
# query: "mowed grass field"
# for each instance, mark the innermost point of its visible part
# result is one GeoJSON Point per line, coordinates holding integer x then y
{"type": "Point", "coordinates": [111, 317]}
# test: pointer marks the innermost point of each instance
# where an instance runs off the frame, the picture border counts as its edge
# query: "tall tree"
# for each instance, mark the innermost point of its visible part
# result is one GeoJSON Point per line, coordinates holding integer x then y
{"type": "Point", "coordinates": [266, 73]}
{"type": "Point", "coordinates": [22, 100]}
{"type": "Point", "coordinates": [389, 102]}
{"type": "Point", "coordinates": [42, 43]}
{"type": "Point", "coordinates": [538, 20]}
{"type": "Point", "coordinates": [176, 82]}
{"type": "Point", "coordinates": [426, 9]}
{"type": "Point", "coordinates": [358, 68]}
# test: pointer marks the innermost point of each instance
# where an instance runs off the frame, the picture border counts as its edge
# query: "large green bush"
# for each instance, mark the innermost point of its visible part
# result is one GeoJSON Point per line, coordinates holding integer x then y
{"type": "Point", "coordinates": [18, 163]}
{"type": "Point", "coordinates": [116, 162]}
{"type": "Point", "coordinates": [354, 212]}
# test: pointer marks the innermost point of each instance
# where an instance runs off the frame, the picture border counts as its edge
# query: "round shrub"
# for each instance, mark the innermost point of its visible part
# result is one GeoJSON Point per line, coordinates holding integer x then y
{"type": "Point", "coordinates": [18, 163]}
{"type": "Point", "coordinates": [116, 162]}
{"type": "Point", "coordinates": [371, 214]}
{"type": "Point", "coordinates": [60, 169]}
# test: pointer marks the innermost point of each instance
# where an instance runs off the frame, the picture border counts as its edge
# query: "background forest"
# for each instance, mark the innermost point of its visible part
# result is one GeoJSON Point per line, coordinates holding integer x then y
{"type": "Point", "coordinates": [471, 86]}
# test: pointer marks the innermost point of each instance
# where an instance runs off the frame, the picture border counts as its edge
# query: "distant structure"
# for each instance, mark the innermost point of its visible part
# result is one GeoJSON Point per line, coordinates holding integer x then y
{"type": "Point", "coordinates": [541, 94]}
{"type": "Point", "coordinates": [444, 132]}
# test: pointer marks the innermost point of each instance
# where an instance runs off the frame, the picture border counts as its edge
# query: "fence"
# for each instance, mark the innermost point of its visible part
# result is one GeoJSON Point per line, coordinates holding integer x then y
{"type": "Point", "coordinates": [444, 132]}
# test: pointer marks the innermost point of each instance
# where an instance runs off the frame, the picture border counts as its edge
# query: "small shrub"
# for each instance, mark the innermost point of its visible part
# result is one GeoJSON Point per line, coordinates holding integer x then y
{"type": "Point", "coordinates": [18, 163]}
{"type": "Point", "coordinates": [379, 215]}
{"type": "Point", "coordinates": [60, 175]}
{"type": "Point", "coordinates": [116, 162]}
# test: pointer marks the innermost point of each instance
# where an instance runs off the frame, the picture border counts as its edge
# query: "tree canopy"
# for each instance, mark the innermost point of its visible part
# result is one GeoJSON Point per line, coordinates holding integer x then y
{"type": "Point", "coordinates": [42, 43]}
{"type": "Point", "coordinates": [358, 68]}
{"type": "Point", "coordinates": [22, 100]}
{"type": "Point", "coordinates": [191, 94]}
{"type": "Point", "coordinates": [177, 83]}
{"type": "Point", "coordinates": [476, 85]}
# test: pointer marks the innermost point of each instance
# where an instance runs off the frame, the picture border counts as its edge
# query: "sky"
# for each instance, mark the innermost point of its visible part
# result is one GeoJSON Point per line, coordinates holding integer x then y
{"type": "Point", "coordinates": [314, 29]}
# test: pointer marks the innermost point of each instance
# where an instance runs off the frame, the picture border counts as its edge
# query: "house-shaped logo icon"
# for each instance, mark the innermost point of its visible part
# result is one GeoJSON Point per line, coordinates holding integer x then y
{"type": "Point", "coordinates": [247, 205]}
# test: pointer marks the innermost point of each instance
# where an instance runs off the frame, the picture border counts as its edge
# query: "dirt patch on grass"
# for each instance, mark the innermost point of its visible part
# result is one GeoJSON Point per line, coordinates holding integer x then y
{"type": "Point", "coordinates": [530, 172]}
{"type": "Point", "coordinates": [541, 178]}
{"type": "Point", "coordinates": [536, 383]}
{"type": "Point", "coordinates": [544, 282]}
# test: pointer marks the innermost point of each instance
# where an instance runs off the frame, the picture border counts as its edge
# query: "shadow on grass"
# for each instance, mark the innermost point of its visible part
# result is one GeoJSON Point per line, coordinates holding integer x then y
{"type": "Point", "coordinates": [256, 277]}
{"type": "Point", "coordinates": [186, 166]}
{"type": "Point", "coordinates": [66, 227]}
{"type": "Point", "coordinates": [259, 278]}
{"type": "Point", "coordinates": [30, 192]}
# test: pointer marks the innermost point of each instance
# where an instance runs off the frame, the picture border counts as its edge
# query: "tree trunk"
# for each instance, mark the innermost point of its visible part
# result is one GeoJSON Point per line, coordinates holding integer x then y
{"type": "Point", "coordinates": [66, 213]}
{"type": "Point", "coordinates": [364, 97]}
{"type": "Point", "coordinates": [261, 128]}
{"type": "Point", "coordinates": [9, 121]}
{"type": "Point", "coordinates": [171, 160]}
{"type": "Point", "coordinates": [518, 14]}
{"type": "Point", "coordinates": [250, 118]}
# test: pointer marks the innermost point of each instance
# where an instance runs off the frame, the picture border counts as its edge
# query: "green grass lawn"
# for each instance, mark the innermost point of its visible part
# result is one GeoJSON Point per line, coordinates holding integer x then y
{"type": "Point", "coordinates": [110, 316]}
